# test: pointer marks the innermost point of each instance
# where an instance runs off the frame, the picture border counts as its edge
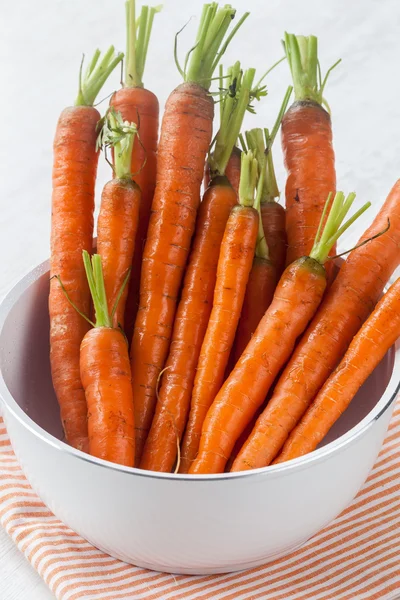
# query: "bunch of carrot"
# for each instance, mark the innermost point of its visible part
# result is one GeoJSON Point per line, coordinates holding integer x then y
{"type": "Point", "coordinates": [208, 331]}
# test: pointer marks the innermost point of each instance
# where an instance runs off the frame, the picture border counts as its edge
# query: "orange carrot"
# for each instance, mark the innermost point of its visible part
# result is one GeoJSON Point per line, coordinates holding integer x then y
{"type": "Point", "coordinates": [139, 105]}
{"type": "Point", "coordinates": [106, 377]}
{"type": "Point", "coordinates": [365, 352]}
{"type": "Point", "coordinates": [119, 213]}
{"type": "Point", "coordinates": [307, 147]}
{"type": "Point", "coordinates": [184, 141]}
{"type": "Point", "coordinates": [232, 171]}
{"type": "Point", "coordinates": [348, 303]}
{"type": "Point", "coordinates": [74, 174]}
{"type": "Point", "coordinates": [197, 295]}
{"type": "Point", "coordinates": [259, 290]}
{"type": "Point", "coordinates": [296, 299]}
{"type": "Point", "coordinates": [234, 265]}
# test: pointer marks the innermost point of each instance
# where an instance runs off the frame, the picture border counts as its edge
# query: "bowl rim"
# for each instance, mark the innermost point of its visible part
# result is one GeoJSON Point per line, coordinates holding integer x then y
{"type": "Point", "coordinates": [321, 454]}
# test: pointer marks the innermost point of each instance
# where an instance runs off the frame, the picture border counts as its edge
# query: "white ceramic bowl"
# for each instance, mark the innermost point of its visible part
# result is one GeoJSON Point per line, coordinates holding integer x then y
{"type": "Point", "coordinates": [175, 523]}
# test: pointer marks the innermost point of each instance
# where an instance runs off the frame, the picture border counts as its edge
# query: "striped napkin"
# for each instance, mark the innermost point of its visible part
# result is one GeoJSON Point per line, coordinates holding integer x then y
{"type": "Point", "coordinates": [357, 557]}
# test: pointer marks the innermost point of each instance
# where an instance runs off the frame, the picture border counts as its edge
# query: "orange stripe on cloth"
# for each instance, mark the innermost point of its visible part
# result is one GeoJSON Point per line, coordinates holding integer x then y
{"type": "Point", "coordinates": [356, 556]}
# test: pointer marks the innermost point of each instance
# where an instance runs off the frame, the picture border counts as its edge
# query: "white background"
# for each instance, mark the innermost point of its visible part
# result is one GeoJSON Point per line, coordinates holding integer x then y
{"type": "Point", "coordinates": [41, 44]}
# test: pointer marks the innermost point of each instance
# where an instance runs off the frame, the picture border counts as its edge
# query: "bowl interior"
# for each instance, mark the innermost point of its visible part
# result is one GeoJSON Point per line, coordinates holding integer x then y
{"type": "Point", "coordinates": [24, 363]}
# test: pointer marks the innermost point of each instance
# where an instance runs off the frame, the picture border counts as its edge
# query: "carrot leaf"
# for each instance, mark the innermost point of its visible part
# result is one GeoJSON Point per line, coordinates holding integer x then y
{"type": "Point", "coordinates": [211, 44]}
{"type": "Point", "coordinates": [138, 34]}
{"type": "Point", "coordinates": [96, 75]}
{"type": "Point", "coordinates": [328, 234]}
{"type": "Point", "coordinates": [234, 103]}
{"type": "Point", "coordinates": [302, 55]}
{"type": "Point", "coordinates": [119, 134]}
{"type": "Point", "coordinates": [94, 274]}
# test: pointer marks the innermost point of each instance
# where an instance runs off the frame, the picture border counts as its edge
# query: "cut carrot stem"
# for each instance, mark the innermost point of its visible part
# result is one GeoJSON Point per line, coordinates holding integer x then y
{"type": "Point", "coordinates": [188, 113]}
{"type": "Point", "coordinates": [365, 352]}
{"type": "Point", "coordinates": [295, 301]}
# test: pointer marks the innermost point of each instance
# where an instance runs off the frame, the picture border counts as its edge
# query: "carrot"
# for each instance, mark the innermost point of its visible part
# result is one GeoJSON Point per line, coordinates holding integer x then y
{"type": "Point", "coordinates": [106, 376]}
{"type": "Point", "coordinates": [232, 171]}
{"type": "Point", "coordinates": [259, 290]}
{"type": "Point", "coordinates": [307, 147]}
{"type": "Point", "coordinates": [185, 138]}
{"type": "Point", "coordinates": [74, 174]}
{"type": "Point", "coordinates": [296, 299]}
{"type": "Point", "coordinates": [234, 265]}
{"type": "Point", "coordinates": [119, 212]}
{"type": "Point", "coordinates": [139, 105]}
{"type": "Point", "coordinates": [198, 288]}
{"type": "Point", "coordinates": [348, 303]}
{"type": "Point", "coordinates": [368, 347]}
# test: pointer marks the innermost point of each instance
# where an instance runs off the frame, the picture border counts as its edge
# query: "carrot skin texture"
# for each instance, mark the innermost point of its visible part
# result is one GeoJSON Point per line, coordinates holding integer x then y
{"type": "Point", "coordinates": [296, 299]}
{"type": "Point", "coordinates": [106, 378]}
{"type": "Point", "coordinates": [259, 293]}
{"type": "Point", "coordinates": [234, 265]}
{"type": "Point", "coordinates": [347, 304]}
{"type": "Point", "coordinates": [74, 175]}
{"type": "Point", "coordinates": [140, 106]}
{"type": "Point", "coordinates": [116, 233]}
{"type": "Point", "coordinates": [365, 352]}
{"type": "Point", "coordinates": [310, 164]}
{"type": "Point", "coordinates": [184, 141]}
{"type": "Point", "coordinates": [189, 328]}
{"type": "Point", "coordinates": [232, 171]}
{"type": "Point", "coordinates": [273, 217]}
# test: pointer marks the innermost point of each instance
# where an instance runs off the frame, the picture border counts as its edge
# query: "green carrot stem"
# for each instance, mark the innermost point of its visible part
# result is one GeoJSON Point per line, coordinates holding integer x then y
{"type": "Point", "coordinates": [302, 56]}
{"type": "Point", "coordinates": [119, 295]}
{"type": "Point", "coordinates": [261, 244]}
{"type": "Point", "coordinates": [328, 234]}
{"type": "Point", "coordinates": [209, 47]}
{"type": "Point", "coordinates": [94, 274]}
{"type": "Point", "coordinates": [268, 71]}
{"type": "Point", "coordinates": [120, 135]}
{"type": "Point", "coordinates": [96, 75]}
{"type": "Point", "coordinates": [70, 301]}
{"type": "Point", "coordinates": [138, 32]}
{"type": "Point", "coordinates": [248, 178]}
{"type": "Point", "coordinates": [234, 105]}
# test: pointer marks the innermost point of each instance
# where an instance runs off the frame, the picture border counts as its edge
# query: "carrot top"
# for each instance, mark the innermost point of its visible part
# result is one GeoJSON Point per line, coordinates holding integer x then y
{"type": "Point", "coordinates": [235, 97]}
{"type": "Point", "coordinates": [302, 56]}
{"type": "Point", "coordinates": [138, 34]}
{"type": "Point", "coordinates": [250, 192]}
{"type": "Point", "coordinates": [202, 60]}
{"type": "Point", "coordinates": [94, 274]}
{"type": "Point", "coordinates": [328, 234]}
{"type": "Point", "coordinates": [120, 135]}
{"type": "Point", "coordinates": [260, 141]}
{"type": "Point", "coordinates": [248, 178]}
{"type": "Point", "coordinates": [96, 75]}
